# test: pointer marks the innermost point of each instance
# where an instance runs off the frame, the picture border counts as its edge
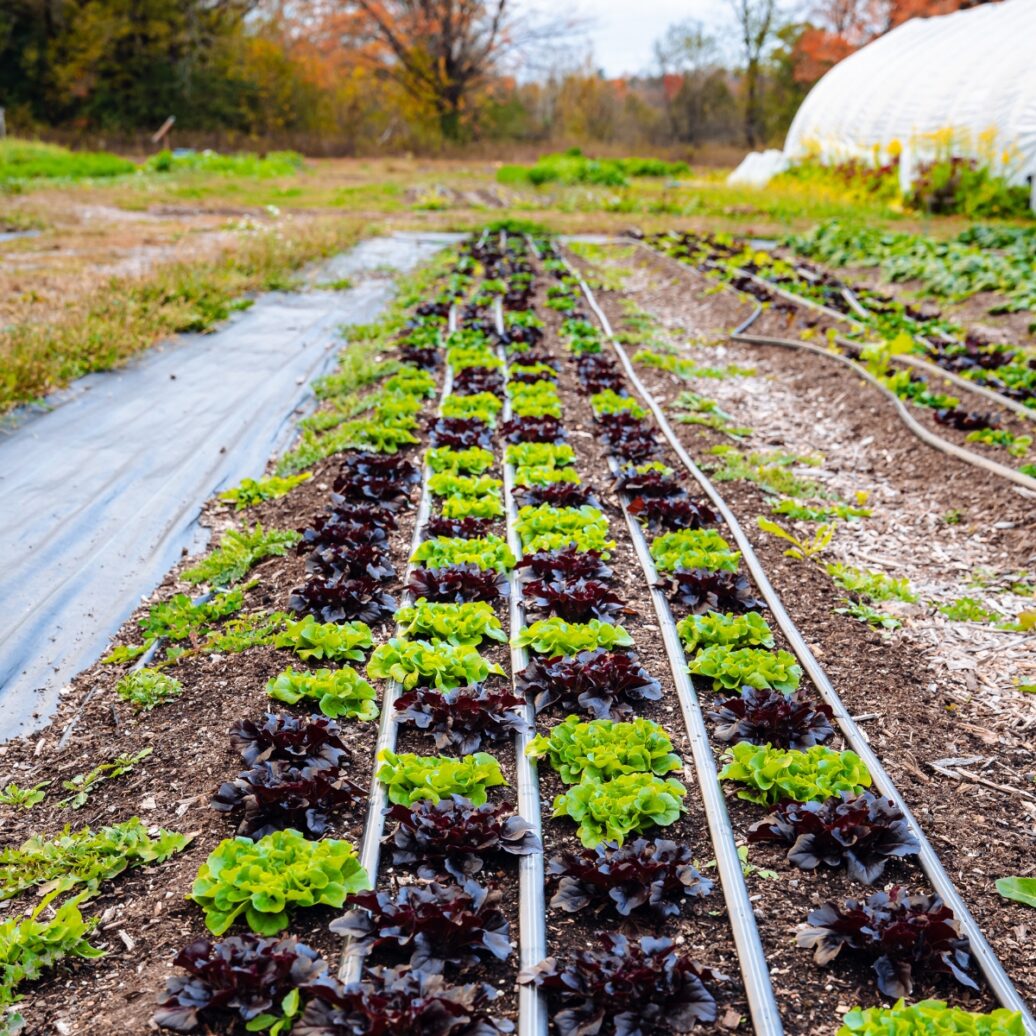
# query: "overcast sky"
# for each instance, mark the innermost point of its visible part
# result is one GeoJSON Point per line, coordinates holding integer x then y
{"type": "Point", "coordinates": [622, 32]}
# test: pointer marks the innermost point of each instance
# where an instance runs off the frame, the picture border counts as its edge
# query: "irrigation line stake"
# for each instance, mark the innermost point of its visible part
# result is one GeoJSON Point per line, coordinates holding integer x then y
{"type": "Point", "coordinates": [532, 909]}
{"type": "Point", "coordinates": [951, 449]}
{"type": "Point", "coordinates": [988, 962]}
{"type": "Point", "coordinates": [762, 1003]}
{"type": "Point", "coordinates": [351, 963]}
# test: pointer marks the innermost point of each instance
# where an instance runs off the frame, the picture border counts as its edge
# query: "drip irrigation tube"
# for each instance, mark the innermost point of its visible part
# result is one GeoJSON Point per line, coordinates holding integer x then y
{"type": "Point", "coordinates": [917, 362]}
{"type": "Point", "coordinates": [993, 971]}
{"type": "Point", "coordinates": [762, 1004]}
{"type": "Point", "coordinates": [351, 965]}
{"type": "Point", "coordinates": [532, 910]}
{"type": "Point", "coordinates": [930, 438]}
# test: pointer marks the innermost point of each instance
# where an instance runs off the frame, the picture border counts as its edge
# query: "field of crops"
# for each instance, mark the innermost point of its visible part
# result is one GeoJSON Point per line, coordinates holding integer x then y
{"type": "Point", "coordinates": [637, 638]}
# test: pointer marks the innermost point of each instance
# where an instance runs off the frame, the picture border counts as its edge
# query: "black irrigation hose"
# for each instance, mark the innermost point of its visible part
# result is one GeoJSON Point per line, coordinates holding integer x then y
{"type": "Point", "coordinates": [930, 438]}
{"type": "Point", "coordinates": [993, 971]}
{"type": "Point", "coordinates": [532, 910]}
{"type": "Point", "coordinates": [915, 427]}
{"type": "Point", "coordinates": [351, 965]}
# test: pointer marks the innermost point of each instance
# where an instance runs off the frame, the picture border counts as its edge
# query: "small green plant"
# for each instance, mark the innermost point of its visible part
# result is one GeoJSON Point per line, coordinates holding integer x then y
{"type": "Point", "coordinates": [1016, 445]}
{"type": "Point", "coordinates": [694, 548]}
{"type": "Point", "coordinates": [602, 749]}
{"type": "Point", "coordinates": [687, 369]}
{"type": "Point", "coordinates": [83, 784]}
{"type": "Point", "coordinates": [325, 641]}
{"type": "Point", "coordinates": [555, 636]}
{"type": "Point", "coordinates": [967, 609]}
{"type": "Point", "coordinates": [929, 1017]}
{"type": "Point", "coordinates": [486, 552]}
{"type": "Point", "coordinates": [798, 512]}
{"type": "Point", "coordinates": [267, 879]}
{"type": "Point", "coordinates": [466, 507]}
{"type": "Point", "coordinates": [545, 475]}
{"type": "Point", "coordinates": [31, 946]}
{"type": "Point", "coordinates": [412, 778]}
{"type": "Point", "coordinates": [466, 623]}
{"type": "Point", "coordinates": [733, 668]}
{"type": "Point", "coordinates": [771, 774]}
{"type": "Point", "coordinates": [448, 484]}
{"type": "Point", "coordinates": [544, 527]}
{"type": "Point", "coordinates": [254, 491]}
{"type": "Point", "coordinates": [256, 629]}
{"type": "Point", "coordinates": [337, 692]}
{"type": "Point", "coordinates": [474, 460]}
{"type": "Point", "coordinates": [146, 688]}
{"type": "Point", "coordinates": [24, 798]}
{"type": "Point", "coordinates": [873, 617]}
{"type": "Point", "coordinates": [609, 402]}
{"type": "Point", "coordinates": [540, 454]}
{"type": "Point", "coordinates": [433, 663]}
{"type": "Point", "coordinates": [874, 586]}
{"type": "Point", "coordinates": [729, 629]}
{"type": "Point", "coordinates": [769, 471]}
{"type": "Point", "coordinates": [1018, 889]}
{"type": "Point", "coordinates": [481, 406]}
{"type": "Point", "coordinates": [611, 811]}
{"type": "Point", "coordinates": [84, 857]}
{"type": "Point", "coordinates": [800, 550]}
{"type": "Point", "coordinates": [238, 552]}
{"type": "Point", "coordinates": [748, 868]}
{"type": "Point", "coordinates": [953, 517]}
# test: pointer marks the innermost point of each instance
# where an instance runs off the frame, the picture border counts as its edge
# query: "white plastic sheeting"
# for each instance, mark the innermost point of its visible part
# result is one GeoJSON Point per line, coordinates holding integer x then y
{"type": "Point", "coordinates": [972, 74]}
{"type": "Point", "coordinates": [758, 168]}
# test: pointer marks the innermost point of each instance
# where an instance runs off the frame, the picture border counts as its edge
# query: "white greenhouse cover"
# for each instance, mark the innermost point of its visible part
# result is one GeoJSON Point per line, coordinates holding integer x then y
{"type": "Point", "coordinates": [970, 75]}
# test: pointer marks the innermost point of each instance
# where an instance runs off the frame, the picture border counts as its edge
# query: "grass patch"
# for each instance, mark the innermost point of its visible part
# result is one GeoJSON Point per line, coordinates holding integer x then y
{"type": "Point", "coordinates": [103, 329]}
{"type": "Point", "coordinates": [245, 163]}
{"type": "Point", "coordinates": [32, 160]}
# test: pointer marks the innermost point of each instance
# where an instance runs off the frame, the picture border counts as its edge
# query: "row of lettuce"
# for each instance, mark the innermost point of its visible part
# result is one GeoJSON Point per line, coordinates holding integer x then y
{"type": "Point", "coordinates": [773, 735]}
{"type": "Point", "coordinates": [899, 327]}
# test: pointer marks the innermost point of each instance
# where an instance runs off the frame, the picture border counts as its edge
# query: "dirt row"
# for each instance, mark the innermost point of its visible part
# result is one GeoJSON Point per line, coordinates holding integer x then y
{"type": "Point", "coordinates": [920, 706]}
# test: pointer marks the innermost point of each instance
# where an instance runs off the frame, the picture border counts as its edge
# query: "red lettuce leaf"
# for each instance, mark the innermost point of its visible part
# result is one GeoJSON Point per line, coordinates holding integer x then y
{"type": "Point", "coordinates": [771, 717]}
{"type": "Point", "coordinates": [464, 718]}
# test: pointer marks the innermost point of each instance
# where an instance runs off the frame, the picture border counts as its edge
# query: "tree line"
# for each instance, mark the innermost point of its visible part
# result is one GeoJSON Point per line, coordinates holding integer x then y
{"type": "Point", "coordinates": [369, 76]}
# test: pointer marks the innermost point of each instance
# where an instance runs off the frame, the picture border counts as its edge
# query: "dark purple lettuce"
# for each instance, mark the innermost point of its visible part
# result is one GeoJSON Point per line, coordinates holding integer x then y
{"type": "Point", "coordinates": [769, 717]}
{"type": "Point", "coordinates": [574, 600]}
{"type": "Point", "coordinates": [557, 494]}
{"type": "Point", "coordinates": [458, 528]}
{"type": "Point", "coordinates": [862, 832]}
{"type": "Point", "coordinates": [457, 583]}
{"type": "Point", "coordinates": [454, 837]}
{"type": "Point", "coordinates": [471, 380]}
{"type": "Point", "coordinates": [400, 1002]}
{"type": "Point", "coordinates": [301, 740]}
{"type": "Point", "coordinates": [343, 600]}
{"type": "Point", "coordinates": [897, 932]}
{"type": "Point", "coordinates": [460, 433]}
{"type": "Point", "coordinates": [629, 988]}
{"type": "Point", "coordinates": [465, 718]}
{"type": "Point", "coordinates": [605, 684]}
{"type": "Point", "coordinates": [327, 532]}
{"type": "Point", "coordinates": [274, 796]}
{"type": "Point", "coordinates": [385, 480]}
{"type": "Point", "coordinates": [672, 513]}
{"type": "Point", "coordinates": [703, 591]}
{"type": "Point", "coordinates": [240, 977]}
{"type": "Point", "coordinates": [356, 561]}
{"type": "Point", "coordinates": [533, 429]}
{"type": "Point", "coordinates": [643, 877]}
{"type": "Point", "coordinates": [568, 563]}
{"type": "Point", "coordinates": [648, 484]}
{"type": "Point", "coordinates": [430, 925]}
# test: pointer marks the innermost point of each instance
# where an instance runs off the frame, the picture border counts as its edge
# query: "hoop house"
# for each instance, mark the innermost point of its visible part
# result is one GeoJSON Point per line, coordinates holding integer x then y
{"type": "Point", "coordinates": [961, 84]}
